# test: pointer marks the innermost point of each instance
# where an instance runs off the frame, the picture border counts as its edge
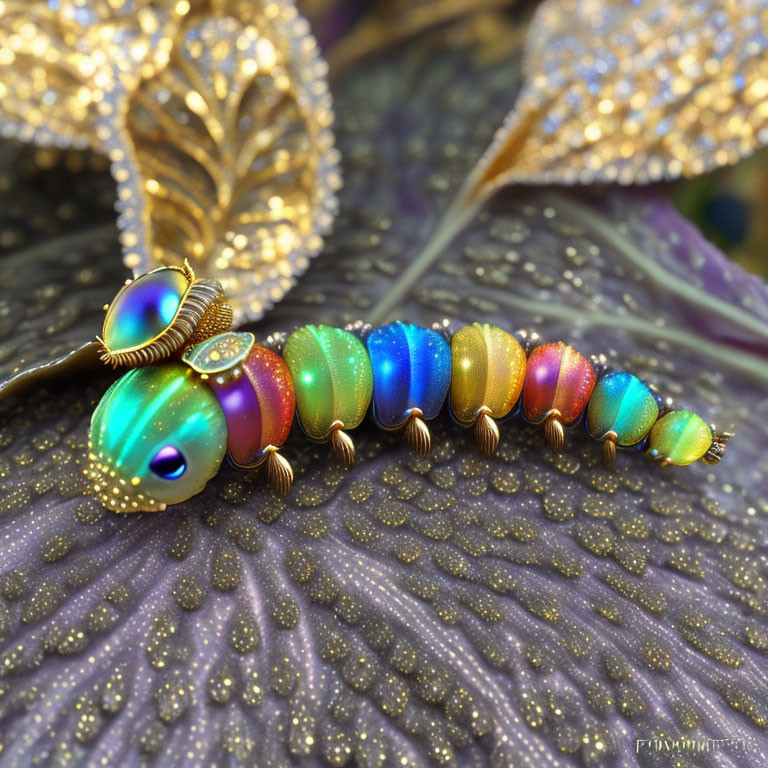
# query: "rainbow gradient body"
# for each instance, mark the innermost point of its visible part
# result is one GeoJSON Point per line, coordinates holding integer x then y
{"type": "Point", "coordinates": [411, 372]}
{"type": "Point", "coordinates": [488, 369]}
{"type": "Point", "coordinates": [332, 376]}
{"type": "Point", "coordinates": [623, 405]}
{"type": "Point", "coordinates": [258, 402]}
{"type": "Point", "coordinates": [558, 378]}
{"type": "Point", "coordinates": [161, 432]}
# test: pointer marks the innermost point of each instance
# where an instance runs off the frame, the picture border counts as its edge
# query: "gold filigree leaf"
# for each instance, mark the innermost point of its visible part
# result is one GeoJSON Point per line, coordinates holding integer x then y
{"type": "Point", "coordinates": [619, 92]}
{"type": "Point", "coordinates": [62, 61]}
{"type": "Point", "coordinates": [633, 93]}
{"type": "Point", "coordinates": [226, 156]}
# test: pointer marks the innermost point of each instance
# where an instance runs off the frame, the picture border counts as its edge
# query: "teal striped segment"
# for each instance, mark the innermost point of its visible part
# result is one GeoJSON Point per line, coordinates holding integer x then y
{"type": "Point", "coordinates": [624, 405]}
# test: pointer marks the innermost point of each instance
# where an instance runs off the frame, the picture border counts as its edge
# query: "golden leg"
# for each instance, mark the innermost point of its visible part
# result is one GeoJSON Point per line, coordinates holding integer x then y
{"type": "Point", "coordinates": [417, 434]}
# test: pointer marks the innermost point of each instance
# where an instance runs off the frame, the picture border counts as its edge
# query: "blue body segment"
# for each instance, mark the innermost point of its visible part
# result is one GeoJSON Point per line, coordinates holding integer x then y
{"type": "Point", "coordinates": [621, 403]}
{"type": "Point", "coordinates": [411, 370]}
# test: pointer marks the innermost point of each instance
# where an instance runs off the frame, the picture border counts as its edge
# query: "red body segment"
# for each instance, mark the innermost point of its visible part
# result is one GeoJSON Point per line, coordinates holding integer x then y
{"type": "Point", "coordinates": [258, 401]}
{"type": "Point", "coordinates": [558, 378]}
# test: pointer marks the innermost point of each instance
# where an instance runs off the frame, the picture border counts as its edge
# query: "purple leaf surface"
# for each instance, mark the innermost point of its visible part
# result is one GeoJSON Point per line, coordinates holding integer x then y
{"type": "Point", "coordinates": [59, 255]}
{"type": "Point", "coordinates": [527, 610]}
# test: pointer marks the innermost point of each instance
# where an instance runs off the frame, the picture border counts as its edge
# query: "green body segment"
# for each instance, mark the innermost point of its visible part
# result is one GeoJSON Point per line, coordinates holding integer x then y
{"type": "Point", "coordinates": [332, 377]}
{"type": "Point", "coordinates": [680, 437]}
{"type": "Point", "coordinates": [148, 410]}
{"type": "Point", "coordinates": [622, 404]}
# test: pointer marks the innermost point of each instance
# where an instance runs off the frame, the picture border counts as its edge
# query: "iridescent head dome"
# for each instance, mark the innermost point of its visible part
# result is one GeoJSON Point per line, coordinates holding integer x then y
{"type": "Point", "coordinates": [157, 436]}
{"type": "Point", "coordinates": [160, 313]}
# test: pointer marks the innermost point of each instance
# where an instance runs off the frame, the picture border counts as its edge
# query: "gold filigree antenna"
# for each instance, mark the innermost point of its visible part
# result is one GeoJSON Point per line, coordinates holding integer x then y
{"type": "Point", "coordinates": [215, 115]}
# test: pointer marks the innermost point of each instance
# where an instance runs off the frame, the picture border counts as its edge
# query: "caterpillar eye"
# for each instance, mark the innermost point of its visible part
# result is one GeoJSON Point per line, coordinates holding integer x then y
{"type": "Point", "coordinates": [168, 463]}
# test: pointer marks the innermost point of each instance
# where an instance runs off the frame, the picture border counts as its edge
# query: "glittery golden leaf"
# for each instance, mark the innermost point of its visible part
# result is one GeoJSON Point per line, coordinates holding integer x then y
{"type": "Point", "coordinates": [61, 60]}
{"type": "Point", "coordinates": [215, 115]}
{"type": "Point", "coordinates": [619, 92]}
{"type": "Point", "coordinates": [228, 155]}
{"type": "Point", "coordinates": [633, 93]}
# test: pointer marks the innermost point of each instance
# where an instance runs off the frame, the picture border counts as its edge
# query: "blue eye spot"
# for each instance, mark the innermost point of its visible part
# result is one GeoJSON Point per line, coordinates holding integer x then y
{"type": "Point", "coordinates": [168, 463]}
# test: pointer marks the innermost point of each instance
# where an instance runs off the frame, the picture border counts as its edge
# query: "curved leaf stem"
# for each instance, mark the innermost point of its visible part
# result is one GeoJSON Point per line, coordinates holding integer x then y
{"type": "Point", "coordinates": [458, 217]}
{"type": "Point", "coordinates": [455, 219]}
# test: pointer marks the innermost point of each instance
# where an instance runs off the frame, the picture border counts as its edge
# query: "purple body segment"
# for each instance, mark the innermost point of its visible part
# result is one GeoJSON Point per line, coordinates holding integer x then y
{"type": "Point", "coordinates": [258, 402]}
{"type": "Point", "coordinates": [240, 404]}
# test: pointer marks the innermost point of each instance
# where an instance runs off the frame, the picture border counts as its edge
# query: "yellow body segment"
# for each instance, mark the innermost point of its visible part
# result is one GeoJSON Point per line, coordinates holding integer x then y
{"type": "Point", "coordinates": [680, 437]}
{"type": "Point", "coordinates": [487, 372]}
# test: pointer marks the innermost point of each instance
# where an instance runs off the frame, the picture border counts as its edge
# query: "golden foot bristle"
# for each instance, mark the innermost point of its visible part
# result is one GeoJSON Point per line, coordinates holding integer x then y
{"type": "Point", "coordinates": [417, 435]}
{"type": "Point", "coordinates": [609, 450]}
{"type": "Point", "coordinates": [279, 472]}
{"type": "Point", "coordinates": [487, 434]}
{"type": "Point", "coordinates": [343, 447]}
{"type": "Point", "coordinates": [554, 432]}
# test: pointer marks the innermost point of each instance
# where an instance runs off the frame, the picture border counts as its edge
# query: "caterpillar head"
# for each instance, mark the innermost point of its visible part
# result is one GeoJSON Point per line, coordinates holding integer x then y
{"type": "Point", "coordinates": [157, 437]}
